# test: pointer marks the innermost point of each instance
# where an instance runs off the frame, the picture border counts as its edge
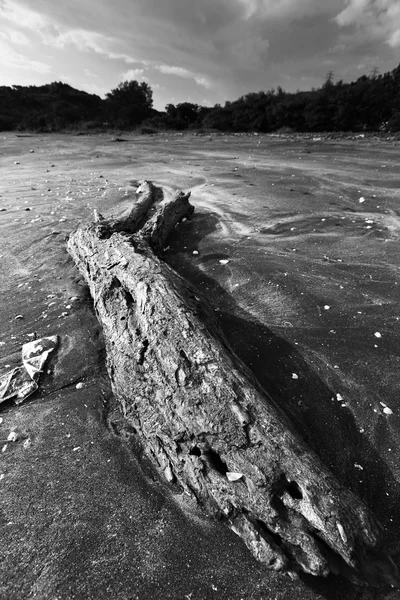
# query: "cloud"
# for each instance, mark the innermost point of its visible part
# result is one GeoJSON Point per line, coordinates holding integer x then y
{"type": "Point", "coordinates": [15, 37]}
{"type": "Point", "coordinates": [251, 53]}
{"type": "Point", "coordinates": [85, 40]}
{"type": "Point", "coordinates": [56, 34]}
{"type": "Point", "coordinates": [374, 19]}
{"type": "Point", "coordinates": [89, 73]}
{"type": "Point", "coordinates": [13, 59]}
{"type": "Point", "coordinates": [133, 74]}
{"type": "Point", "coordinates": [283, 9]}
{"type": "Point", "coordinates": [181, 72]}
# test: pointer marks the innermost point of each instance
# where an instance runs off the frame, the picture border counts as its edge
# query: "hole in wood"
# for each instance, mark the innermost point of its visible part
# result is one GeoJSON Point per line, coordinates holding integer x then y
{"type": "Point", "coordinates": [215, 461]}
{"type": "Point", "coordinates": [195, 451]}
{"type": "Point", "coordinates": [143, 349]}
{"type": "Point", "coordinates": [128, 298]}
{"type": "Point", "coordinates": [293, 489]}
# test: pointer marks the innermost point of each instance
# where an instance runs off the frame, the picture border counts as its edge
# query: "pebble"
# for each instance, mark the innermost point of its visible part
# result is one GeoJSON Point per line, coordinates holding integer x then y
{"type": "Point", "coordinates": [12, 436]}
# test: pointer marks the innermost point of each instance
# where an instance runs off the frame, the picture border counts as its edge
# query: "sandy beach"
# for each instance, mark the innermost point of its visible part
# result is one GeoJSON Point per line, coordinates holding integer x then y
{"type": "Point", "coordinates": [295, 242]}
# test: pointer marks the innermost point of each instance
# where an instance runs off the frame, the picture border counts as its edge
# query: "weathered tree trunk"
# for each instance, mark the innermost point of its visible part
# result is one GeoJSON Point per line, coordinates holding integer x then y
{"type": "Point", "coordinates": [205, 419]}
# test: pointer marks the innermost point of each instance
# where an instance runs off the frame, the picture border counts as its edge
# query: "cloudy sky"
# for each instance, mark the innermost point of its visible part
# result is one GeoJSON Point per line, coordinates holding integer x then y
{"type": "Point", "coordinates": [202, 51]}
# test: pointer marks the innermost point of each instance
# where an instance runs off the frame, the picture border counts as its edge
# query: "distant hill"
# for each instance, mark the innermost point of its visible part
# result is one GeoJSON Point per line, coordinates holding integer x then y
{"type": "Point", "coordinates": [49, 107]}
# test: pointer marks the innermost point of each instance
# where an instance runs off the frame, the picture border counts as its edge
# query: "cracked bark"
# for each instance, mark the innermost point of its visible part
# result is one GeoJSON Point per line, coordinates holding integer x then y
{"type": "Point", "coordinates": [205, 419]}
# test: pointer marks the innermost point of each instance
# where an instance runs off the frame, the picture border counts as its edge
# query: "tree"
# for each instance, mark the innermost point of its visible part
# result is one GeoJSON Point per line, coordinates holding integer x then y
{"type": "Point", "coordinates": [129, 103]}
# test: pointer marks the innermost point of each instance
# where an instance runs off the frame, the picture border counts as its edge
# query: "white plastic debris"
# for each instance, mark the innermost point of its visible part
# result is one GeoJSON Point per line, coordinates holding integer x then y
{"type": "Point", "coordinates": [326, 307]}
{"type": "Point", "coordinates": [224, 261]}
{"type": "Point", "coordinates": [361, 200]}
{"type": "Point", "coordinates": [195, 252]}
{"type": "Point", "coordinates": [12, 436]}
{"type": "Point", "coordinates": [80, 385]}
{"type": "Point", "coordinates": [377, 334]}
{"type": "Point", "coordinates": [357, 466]}
{"type": "Point", "coordinates": [339, 397]}
{"type": "Point", "coordinates": [387, 410]}
{"type": "Point", "coordinates": [233, 476]}
{"type": "Point", "coordinates": [21, 382]}
{"type": "Point", "coordinates": [295, 376]}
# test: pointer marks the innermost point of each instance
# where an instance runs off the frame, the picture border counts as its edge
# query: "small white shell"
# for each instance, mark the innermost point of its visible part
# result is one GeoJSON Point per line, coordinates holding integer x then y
{"type": "Point", "coordinates": [233, 476]}
{"type": "Point", "coordinates": [342, 533]}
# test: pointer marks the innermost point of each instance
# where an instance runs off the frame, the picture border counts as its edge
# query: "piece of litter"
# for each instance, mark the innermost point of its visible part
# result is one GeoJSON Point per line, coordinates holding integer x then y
{"type": "Point", "coordinates": [75, 449]}
{"type": "Point", "coordinates": [1, 420]}
{"type": "Point", "coordinates": [21, 382]}
{"type": "Point", "coordinates": [19, 317]}
{"type": "Point", "coordinates": [387, 410]}
{"type": "Point", "coordinates": [295, 376]}
{"type": "Point", "coordinates": [80, 385]}
{"type": "Point", "coordinates": [12, 436]}
{"type": "Point", "coordinates": [233, 476]}
{"type": "Point", "coordinates": [377, 334]}
{"type": "Point", "coordinates": [195, 252]}
{"type": "Point", "coordinates": [4, 448]}
{"type": "Point", "coordinates": [2, 476]}
{"type": "Point", "coordinates": [361, 200]}
{"type": "Point", "coordinates": [224, 261]}
{"type": "Point", "coordinates": [339, 397]}
{"type": "Point", "coordinates": [357, 466]}
{"type": "Point", "coordinates": [326, 307]}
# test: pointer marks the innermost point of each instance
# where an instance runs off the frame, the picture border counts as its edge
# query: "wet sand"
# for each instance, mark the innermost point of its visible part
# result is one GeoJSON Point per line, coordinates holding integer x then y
{"type": "Point", "coordinates": [308, 232]}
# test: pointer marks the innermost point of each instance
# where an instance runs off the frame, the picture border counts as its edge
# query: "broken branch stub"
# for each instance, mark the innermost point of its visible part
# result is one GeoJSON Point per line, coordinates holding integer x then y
{"type": "Point", "coordinates": [205, 419]}
{"type": "Point", "coordinates": [132, 218]}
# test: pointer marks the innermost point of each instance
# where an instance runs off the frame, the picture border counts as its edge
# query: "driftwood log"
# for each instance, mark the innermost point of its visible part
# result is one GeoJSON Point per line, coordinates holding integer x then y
{"type": "Point", "coordinates": [203, 416]}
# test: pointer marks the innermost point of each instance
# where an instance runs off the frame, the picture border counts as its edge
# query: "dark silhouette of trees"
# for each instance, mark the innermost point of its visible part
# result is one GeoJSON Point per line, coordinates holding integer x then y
{"type": "Point", "coordinates": [371, 103]}
{"type": "Point", "coordinates": [48, 107]}
{"type": "Point", "coordinates": [129, 103]}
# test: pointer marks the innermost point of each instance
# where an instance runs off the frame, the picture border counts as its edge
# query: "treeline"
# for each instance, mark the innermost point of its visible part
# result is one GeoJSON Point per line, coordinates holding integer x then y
{"type": "Point", "coordinates": [58, 106]}
{"type": "Point", "coordinates": [367, 104]}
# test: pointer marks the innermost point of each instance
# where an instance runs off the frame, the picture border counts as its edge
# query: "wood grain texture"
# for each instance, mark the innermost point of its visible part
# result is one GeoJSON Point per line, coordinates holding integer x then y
{"type": "Point", "coordinates": [204, 418]}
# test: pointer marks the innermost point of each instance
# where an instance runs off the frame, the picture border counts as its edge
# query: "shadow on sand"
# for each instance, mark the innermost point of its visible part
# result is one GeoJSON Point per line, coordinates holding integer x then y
{"type": "Point", "coordinates": [329, 429]}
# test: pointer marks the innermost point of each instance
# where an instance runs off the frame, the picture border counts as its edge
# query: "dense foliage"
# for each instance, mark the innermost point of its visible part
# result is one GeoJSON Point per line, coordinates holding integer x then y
{"type": "Point", "coordinates": [48, 107]}
{"type": "Point", "coordinates": [368, 104]}
{"type": "Point", "coordinates": [129, 104]}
